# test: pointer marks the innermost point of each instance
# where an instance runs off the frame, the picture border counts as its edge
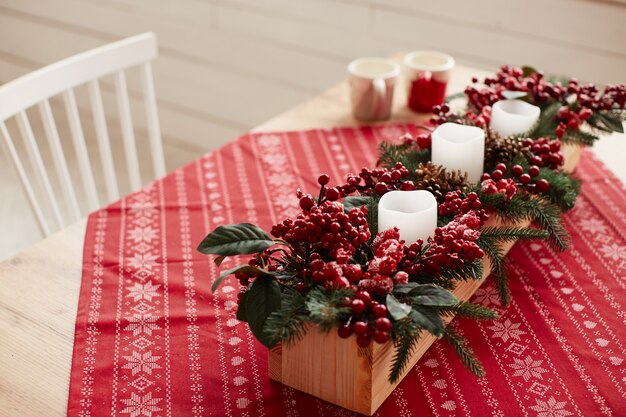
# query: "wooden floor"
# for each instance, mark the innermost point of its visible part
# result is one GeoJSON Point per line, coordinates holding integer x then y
{"type": "Point", "coordinates": [228, 65]}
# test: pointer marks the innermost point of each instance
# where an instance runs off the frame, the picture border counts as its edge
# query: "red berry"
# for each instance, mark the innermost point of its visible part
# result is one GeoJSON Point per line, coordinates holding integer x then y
{"type": "Point", "coordinates": [300, 286]}
{"type": "Point", "coordinates": [358, 306]}
{"type": "Point", "coordinates": [379, 310]}
{"type": "Point", "coordinates": [363, 341]}
{"type": "Point", "coordinates": [360, 328]}
{"type": "Point", "coordinates": [380, 188]}
{"type": "Point", "coordinates": [306, 202]}
{"type": "Point", "coordinates": [364, 296]}
{"type": "Point", "coordinates": [524, 179]}
{"type": "Point", "coordinates": [543, 185]}
{"type": "Point", "coordinates": [381, 336]}
{"type": "Point", "coordinates": [344, 331]}
{"type": "Point", "coordinates": [517, 170]}
{"type": "Point", "coordinates": [501, 167]}
{"type": "Point", "coordinates": [332, 194]}
{"type": "Point", "coordinates": [533, 171]}
{"type": "Point", "coordinates": [383, 324]}
{"type": "Point", "coordinates": [323, 179]}
{"type": "Point", "coordinates": [497, 174]}
{"type": "Point", "coordinates": [485, 177]}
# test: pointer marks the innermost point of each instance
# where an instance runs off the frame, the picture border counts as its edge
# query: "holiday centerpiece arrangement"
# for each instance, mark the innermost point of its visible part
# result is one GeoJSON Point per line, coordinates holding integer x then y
{"type": "Point", "coordinates": [350, 293]}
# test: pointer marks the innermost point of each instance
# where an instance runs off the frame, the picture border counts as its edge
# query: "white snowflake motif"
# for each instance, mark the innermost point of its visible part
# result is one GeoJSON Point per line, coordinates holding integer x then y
{"type": "Point", "coordinates": [487, 296]}
{"type": "Point", "coordinates": [527, 368]}
{"type": "Point", "coordinates": [141, 405]}
{"type": "Point", "coordinates": [506, 330]}
{"type": "Point", "coordinates": [142, 234]}
{"type": "Point", "coordinates": [274, 159]}
{"type": "Point", "coordinates": [593, 226]}
{"type": "Point", "coordinates": [142, 209]}
{"type": "Point", "coordinates": [285, 200]}
{"type": "Point", "coordinates": [551, 408]}
{"type": "Point", "coordinates": [279, 180]}
{"type": "Point", "coordinates": [142, 323]}
{"type": "Point", "coordinates": [143, 261]}
{"type": "Point", "coordinates": [269, 140]}
{"type": "Point", "coordinates": [145, 362]}
{"type": "Point", "coordinates": [614, 251]}
{"type": "Point", "coordinates": [143, 291]}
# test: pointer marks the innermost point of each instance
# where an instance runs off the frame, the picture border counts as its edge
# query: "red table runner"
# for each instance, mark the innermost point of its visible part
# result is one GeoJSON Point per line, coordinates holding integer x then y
{"type": "Point", "coordinates": [152, 340]}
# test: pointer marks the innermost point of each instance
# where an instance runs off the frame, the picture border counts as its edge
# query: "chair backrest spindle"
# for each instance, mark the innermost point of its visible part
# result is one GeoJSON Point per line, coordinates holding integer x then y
{"type": "Point", "coordinates": [152, 118]}
{"type": "Point", "coordinates": [62, 78]}
{"type": "Point", "coordinates": [104, 144]}
{"type": "Point", "coordinates": [19, 167]}
{"type": "Point", "coordinates": [59, 158]}
{"type": "Point", "coordinates": [33, 150]}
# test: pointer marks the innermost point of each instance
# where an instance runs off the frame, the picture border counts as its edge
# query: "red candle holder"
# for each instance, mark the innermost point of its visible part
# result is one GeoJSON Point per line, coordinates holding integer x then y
{"type": "Point", "coordinates": [427, 78]}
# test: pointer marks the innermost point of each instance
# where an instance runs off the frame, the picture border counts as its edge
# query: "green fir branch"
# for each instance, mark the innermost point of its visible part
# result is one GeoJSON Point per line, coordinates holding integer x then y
{"type": "Point", "coordinates": [579, 137]}
{"type": "Point", "coordinates": [287, 324]}
{"type": "Point", "coordinates": [511, 233]}
{"type": "Point", "coordinates": [469, 310]}
{"type": "Point", "coordinates": [405, 335]}
{"type": "Point", "coordinates": [547, 124]}
{"type": "Point", "coordinates": [461, 347]}
{"type": "Point", "coordinates": [545, 214]}
{"type": "Point", "coordinates": [324, 307]}
{"type": "Point", "coordinates": [469, 271]}
{"type": "Point", "coordinates": [409, 156]}
{"type": "Point", "coordinates": [498, 261]}
{"type": "Point", "coordinates": [564, 188]}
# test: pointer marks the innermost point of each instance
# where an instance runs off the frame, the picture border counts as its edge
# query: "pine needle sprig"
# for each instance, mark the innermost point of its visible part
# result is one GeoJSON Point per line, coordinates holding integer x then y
{"type": "Point", "coordinates": [511, 233]}
{"type": "Point", "coordinates": [469, 310]}
{"type": "Point", "coordinates": [324, 307]}
{"type": "Point", "coordinates": [544, 213]}
{"type": "Point", "coordinates": [461, 347]}
{"type": "Point", "coordinates": [498, 262]}
{"type": "Point", "coordinates": [469, 271]}
{"type": "Point", "coordinates": [410, 157]}
{"type": "Point", "coordinates": [287, 324]}
{"type": "Point", "coordinates": [564, 188]}
{"type": "Point", "coordinates": [405, 337]}
{"type": "Point", "coordinates": [579, 137]}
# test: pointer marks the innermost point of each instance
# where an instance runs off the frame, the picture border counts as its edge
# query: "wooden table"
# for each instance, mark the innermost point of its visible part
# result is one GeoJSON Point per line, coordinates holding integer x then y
{"type": "Point", "coordinates": [39, 287]}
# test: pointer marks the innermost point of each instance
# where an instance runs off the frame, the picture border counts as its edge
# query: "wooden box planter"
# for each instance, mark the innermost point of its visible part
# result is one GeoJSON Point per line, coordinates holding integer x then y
{"type": "Point", "coordinates": [338, 371]}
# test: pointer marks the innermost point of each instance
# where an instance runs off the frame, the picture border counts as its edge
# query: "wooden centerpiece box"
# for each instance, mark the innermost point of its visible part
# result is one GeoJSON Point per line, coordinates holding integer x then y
{"type": "Point", "coordinates": [340, 372]}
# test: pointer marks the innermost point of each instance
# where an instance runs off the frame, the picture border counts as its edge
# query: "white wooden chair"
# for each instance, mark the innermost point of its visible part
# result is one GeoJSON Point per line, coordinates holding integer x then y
{"type": "Point", "coordinates": [61, 78]}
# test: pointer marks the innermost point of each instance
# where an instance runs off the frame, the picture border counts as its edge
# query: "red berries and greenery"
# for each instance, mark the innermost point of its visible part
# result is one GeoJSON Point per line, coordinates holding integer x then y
{"type": "Point", "coordinates": [330, 267]}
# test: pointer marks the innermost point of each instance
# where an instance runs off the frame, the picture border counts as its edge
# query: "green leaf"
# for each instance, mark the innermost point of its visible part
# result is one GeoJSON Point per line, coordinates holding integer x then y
{"type": "Point", "coordinates": [397, 310]}
{"type": "Point", "coordinates": [354, 201]}
{"type": "Point", "coordinates": [510, 95]}
{"type": "Point", "coordinates": [455, 96]}
{"type": "Point", "coordinates": [240, 268]}
{"type": "Point", "coordinates": [262, 299]}
{"type": "Point", "coordinates": [289, 323]}
{"type": "Point", "coordinates": [528, 70]}
{"type": "Point", "coordinates": [431, 295]}
{"type": "Point", "coordinates": [235, 239]}
{"type": "Point", "coordinates": [242, 313]}
{"type": "Point", "coordinates": [404, 289]}
{"type": "Point", "coordinates": [427, 318]}
{"type": "Point", "coordinates": [610, 121]}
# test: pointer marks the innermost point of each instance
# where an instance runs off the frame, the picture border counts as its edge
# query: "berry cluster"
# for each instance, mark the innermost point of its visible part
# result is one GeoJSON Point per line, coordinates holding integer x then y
{"type": "Point", "coordinates": [377, 181]}
{"type": "Point", "coordinates": [589, 97]}
{"type": "Point", "coordinates": [517, 177]}
{"type": "Point", "coordinates": [511, 78]}
{"type": "Point", "coordinates": [454, 204]}
{"type": "Point", "coordinates": [369, 320]}
{"type": "Point", "coordinates": [544, 152]}
{"type": "Point", "coordinates": [326, 229]}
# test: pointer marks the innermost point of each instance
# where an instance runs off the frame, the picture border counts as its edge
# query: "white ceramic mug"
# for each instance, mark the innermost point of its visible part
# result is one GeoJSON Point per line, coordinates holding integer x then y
{"type": "Point", "coordinates": [372, 81]}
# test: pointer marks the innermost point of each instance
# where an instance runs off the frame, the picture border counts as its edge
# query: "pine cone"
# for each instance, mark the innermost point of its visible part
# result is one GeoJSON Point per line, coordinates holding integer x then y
{"type": "Point", "coordinates": [499, 149]}
{"type": "Point", "coordinates": [438, 181]}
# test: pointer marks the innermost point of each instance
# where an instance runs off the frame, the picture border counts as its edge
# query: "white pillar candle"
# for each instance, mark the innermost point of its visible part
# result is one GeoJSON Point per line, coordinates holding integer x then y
{"type": "Point", "coordinates": [459, 147]}
{"type": "Point", "coordinates": [414, 213]}
{"type": "Point", "coordinates": [512, 117]}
